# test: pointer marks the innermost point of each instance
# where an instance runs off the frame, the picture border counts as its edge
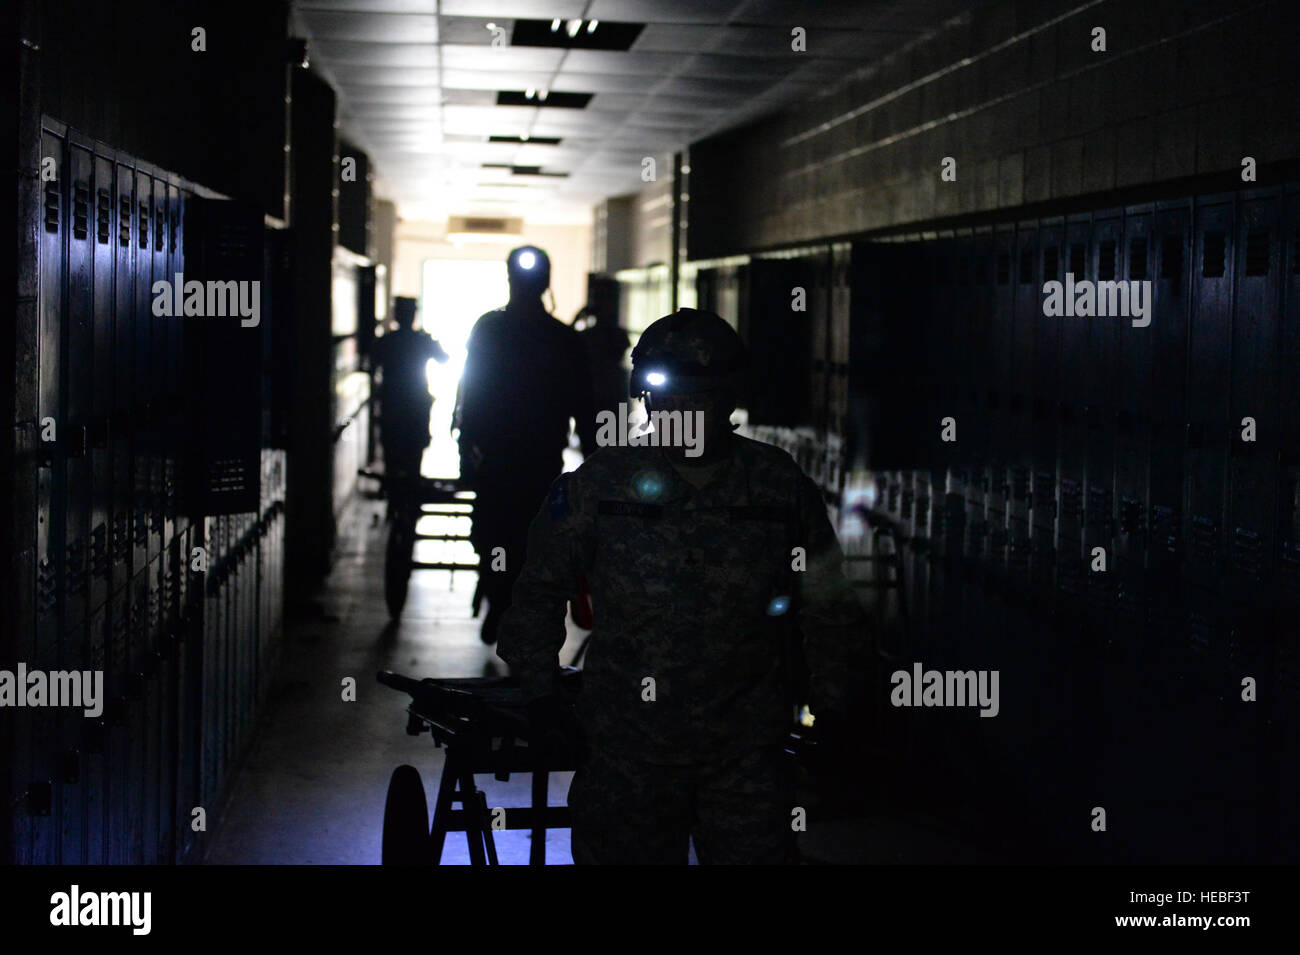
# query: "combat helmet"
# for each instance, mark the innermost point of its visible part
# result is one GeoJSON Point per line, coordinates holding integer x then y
{"type": "Point", "coordinates": [686, 352]}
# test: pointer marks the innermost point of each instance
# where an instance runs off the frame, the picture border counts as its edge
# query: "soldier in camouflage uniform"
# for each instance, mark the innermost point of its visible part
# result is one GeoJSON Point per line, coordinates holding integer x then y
{"type": "Point", "coordinates": [697, 584]}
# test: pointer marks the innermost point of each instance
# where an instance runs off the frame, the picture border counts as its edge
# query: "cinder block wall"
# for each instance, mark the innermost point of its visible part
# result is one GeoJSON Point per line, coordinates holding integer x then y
{"type": "Point", "coordinates": [1014, 92]}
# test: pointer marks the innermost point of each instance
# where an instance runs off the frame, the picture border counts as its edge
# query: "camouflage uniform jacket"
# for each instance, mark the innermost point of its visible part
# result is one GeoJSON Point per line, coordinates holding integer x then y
{"type": "Point", "coordinates": [687, 587]}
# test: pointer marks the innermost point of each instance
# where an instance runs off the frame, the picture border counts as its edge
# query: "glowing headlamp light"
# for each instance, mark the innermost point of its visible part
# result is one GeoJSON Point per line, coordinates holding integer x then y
{"type": "Point", "coordinates": [526, 260]}
{"type": "Point", "coordinates": [656, 378]}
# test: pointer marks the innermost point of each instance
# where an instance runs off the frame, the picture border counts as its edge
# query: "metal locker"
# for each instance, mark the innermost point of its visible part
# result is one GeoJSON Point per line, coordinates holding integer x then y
{"type": "Point", "coordinates": [122, 403]}
{"type": "Point", "coordinates": [137, 691]}
{"type": "Point", "coordinates": [51, 483]}
{"type": "Point", "coordinates": [169, 680]}
{"type": "Point", "coordinates": [1104, 331]}
{"type": "Point", "coordinates": [229, 623]}
{"type": "Point", "coordinates": [1253, 397]}
{"type": "Point", "coordinates": [212, 621]}
{"type": "Point", "coordinates": [99, 431]}
{"type": "Point", "coordinates": [1024, 323]}
{"type": "Point", "coordinates": [143, 376]}
{"type": "Point", "coordinates": [954, 304]}
{"type": "Point", "coordinates": [1171, 268]}
{"type": "Point", "coordinates": [978, 428]}
{"type": "Point", "coordinates": [1208, 374]}
{"type": "Point", "coordinates": [1045, 413]}
{"type": "Point", "coordinates": [120, 739]}
{"type": "Point", "coordinates": [939, 357]}
{"type": "Point", "coordinates": [814, 275]}
{"type": "Point", "coordinates": [95, 764]}
{"type": "Point", "coordinates": [948, 330]}
{"type": "Point", "coordinates": [1132, 422]}
{"type": "Point", "coordinates": [78, 347]}
{"type": "Point", "coordinates": [160, 523]}
{"type": "Point", "coordinates": [223, 242]}
{"type": "Point", "coordinates": [1002, 442]}
{"type": "Point", "coordinates": [840, 325]}
{"type": "Point", "coordinates": [175, 379]}
{"type": "Point", "coordinates": [1288, 497]}
{"type": "Point", "coordinates": [1070, 567]}
{"type": "Point", "coordinates": [188, 796]}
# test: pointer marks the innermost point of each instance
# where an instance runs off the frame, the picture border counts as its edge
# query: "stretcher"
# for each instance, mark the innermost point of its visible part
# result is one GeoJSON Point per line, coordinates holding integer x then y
{"type": "Point", "coordinates": [483, 724]}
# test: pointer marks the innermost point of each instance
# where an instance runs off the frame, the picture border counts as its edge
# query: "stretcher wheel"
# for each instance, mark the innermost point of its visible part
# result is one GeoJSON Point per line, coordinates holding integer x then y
{"type": "Point", "coordinates": [397, 565]}
{"type": "Point", "coordinates": [406, 820]}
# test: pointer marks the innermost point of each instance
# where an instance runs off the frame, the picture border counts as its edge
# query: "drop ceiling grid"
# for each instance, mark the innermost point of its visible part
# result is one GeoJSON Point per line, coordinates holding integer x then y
{"type": "Point", "coordinates": [417, 78]}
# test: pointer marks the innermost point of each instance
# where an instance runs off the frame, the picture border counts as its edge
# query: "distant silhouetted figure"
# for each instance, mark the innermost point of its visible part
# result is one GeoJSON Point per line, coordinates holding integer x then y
{"type": "Point", "coordinates": [525, 376]}
{"type": "Point", "coordinates": [404, 399]}
{"type": "Point", "coordinates": [606, 343]}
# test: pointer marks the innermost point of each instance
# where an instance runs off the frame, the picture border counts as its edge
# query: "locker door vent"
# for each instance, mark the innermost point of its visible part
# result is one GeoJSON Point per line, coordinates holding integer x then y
{"type": "Point", "coordinates": [52, 207]}
{"type": "Point", "coordinates": [1071, 499]}
{"type": "Point", "coordinates": [1051, 262]}
{"type": "Point", "coordinates": [1078, 258]}
{"type": "Point", "coordinates": [1214, 254]}
{"type": "Point", "coordinates": [103, 209]}
{"type": "Point", "coordinates": [1137, 259]}
{"type": "Point", "coordinates": [124, 222]}
{"type": "Point", "coordinates": [1004, 268]}
{"type": "Point", "coordinates": [1257, 252]}
{"type": "Point", "coordinates": [1171, 257]}
{"type": "Point", "coordinates": [160, 228]}
{"type": "Point", "coordinates": [1106, 263]}
{"type": "Point", "coordinates": [1248, 551]}
{"type": "Point", "coordinates": [1026, 266]}
{"type": "Point", "coordinates": [1205, 538]}
{"type": "Point", "coordinates": [80, 209]}
{"type": "Point", "coordinates": [144, 225]}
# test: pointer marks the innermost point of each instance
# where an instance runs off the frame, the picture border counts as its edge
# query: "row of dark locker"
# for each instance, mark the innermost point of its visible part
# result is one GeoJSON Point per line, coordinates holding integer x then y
{"type": "Point", "coordinates": [117, 545]}
{"type": "Point", "coordinates": [792, 310]}
{"type": "Point", "coordinates": [1089, 439]}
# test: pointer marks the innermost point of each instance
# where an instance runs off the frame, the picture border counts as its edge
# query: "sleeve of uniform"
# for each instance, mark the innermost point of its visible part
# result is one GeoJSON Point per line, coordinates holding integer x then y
{"type": "Point", "coordinates": [831, 617]}
{"type": "Point", "coordinates": [560, 542]}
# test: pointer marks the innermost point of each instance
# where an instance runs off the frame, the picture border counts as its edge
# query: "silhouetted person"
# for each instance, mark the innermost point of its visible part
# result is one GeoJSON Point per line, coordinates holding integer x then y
{"type": "Point", "coordinates": [705, 561]}
{"type": "Point", "coordinates": [606, 343]}
{"type": "Point", "coordinates": [525, 376]}
{"type": "Point", "coordinates": [401, 358]}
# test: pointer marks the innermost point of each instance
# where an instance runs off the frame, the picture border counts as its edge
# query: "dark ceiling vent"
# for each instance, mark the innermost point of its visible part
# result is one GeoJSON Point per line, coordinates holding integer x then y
{"type": "Point", "coordinates": [543, 98]}
{"type": "Point", "coordinates": [574, 34]}
{"type": "Point", "coordinates": [524, 170]}
{"type": "Point", "coordinates": [531, 140]}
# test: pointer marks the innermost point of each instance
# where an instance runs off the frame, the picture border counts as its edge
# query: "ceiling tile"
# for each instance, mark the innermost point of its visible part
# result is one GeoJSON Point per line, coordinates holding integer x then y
{"type": "Point", "coordinates": [371, 27]}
